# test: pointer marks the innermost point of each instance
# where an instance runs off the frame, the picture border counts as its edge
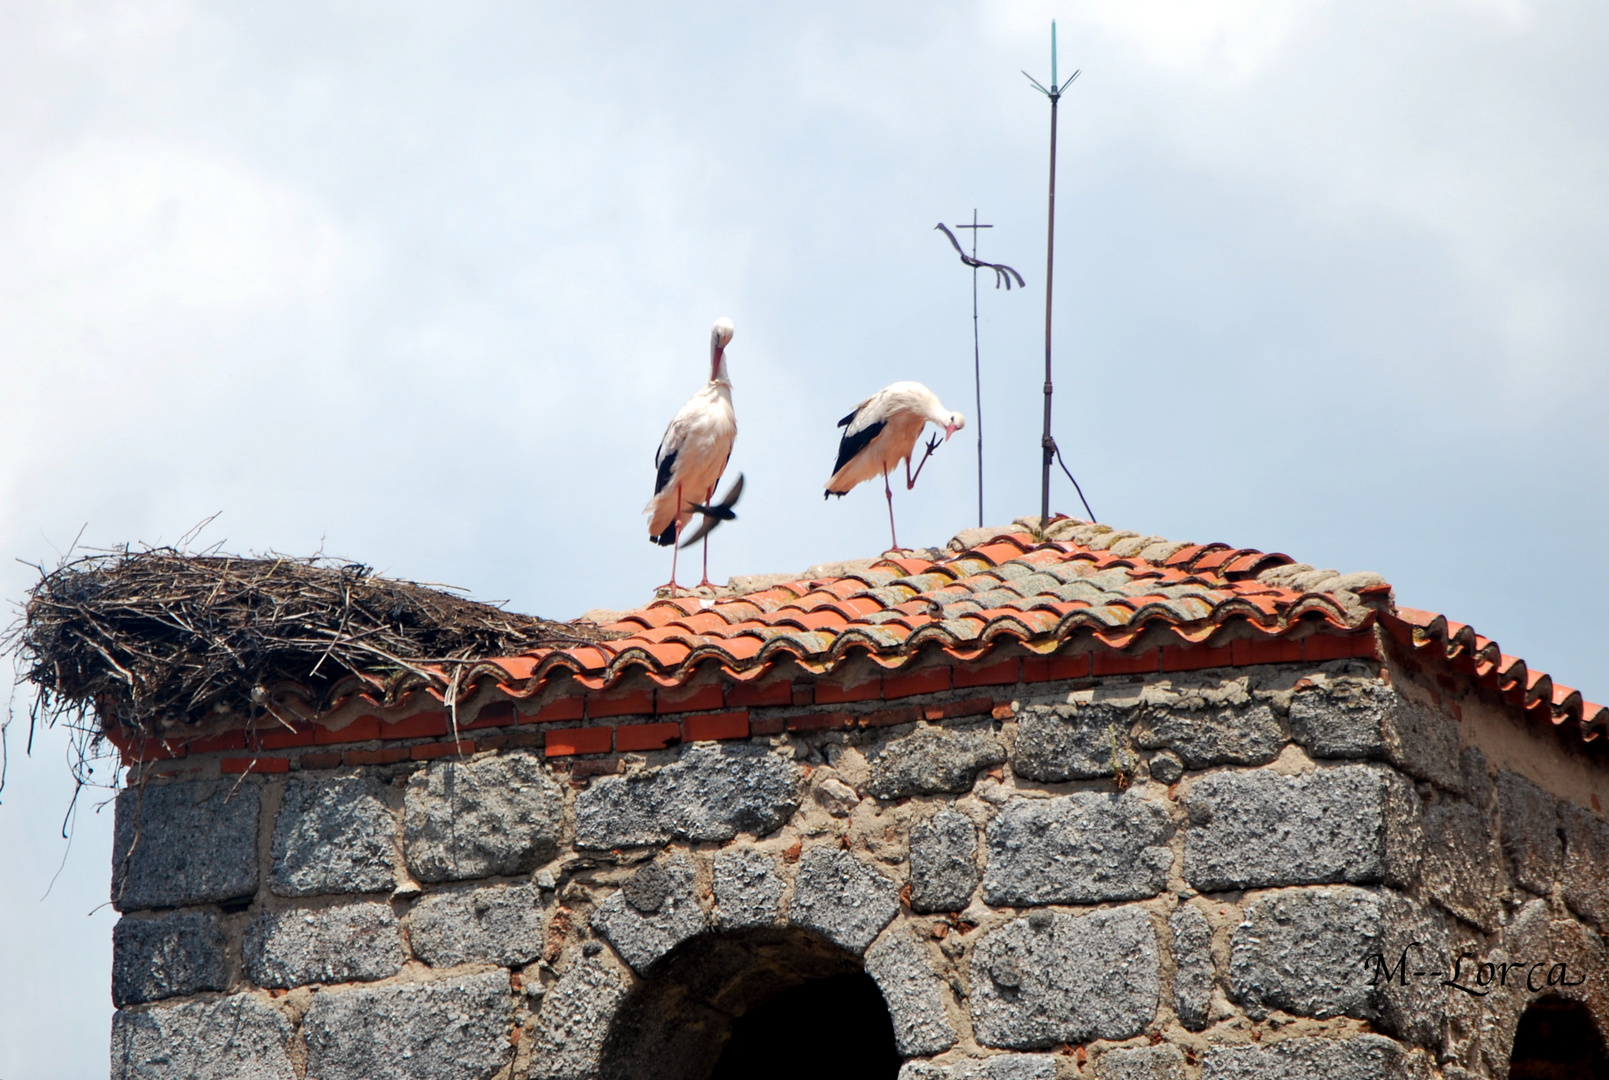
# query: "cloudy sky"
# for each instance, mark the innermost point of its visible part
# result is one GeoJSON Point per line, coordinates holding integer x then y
{"type": "Point", "coordinates": [420, 285]}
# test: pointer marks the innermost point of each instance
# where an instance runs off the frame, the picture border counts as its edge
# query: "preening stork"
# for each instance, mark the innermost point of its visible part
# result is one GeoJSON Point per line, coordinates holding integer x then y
{"type": "Point", "coordinates": [693, 454]}
{"type": "Point", "coordinates": [881, 431]}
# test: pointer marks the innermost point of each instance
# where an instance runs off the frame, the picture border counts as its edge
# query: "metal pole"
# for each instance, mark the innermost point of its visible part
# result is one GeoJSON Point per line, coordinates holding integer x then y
{"type": "Point", "coordinates": [977, 365]}
{"type": "Point", "coordinates": [1047, 442]}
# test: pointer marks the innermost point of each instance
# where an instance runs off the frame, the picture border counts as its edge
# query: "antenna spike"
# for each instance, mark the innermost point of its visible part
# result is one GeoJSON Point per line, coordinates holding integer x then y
{"type": "Point", "coordinates": [1053, 52]}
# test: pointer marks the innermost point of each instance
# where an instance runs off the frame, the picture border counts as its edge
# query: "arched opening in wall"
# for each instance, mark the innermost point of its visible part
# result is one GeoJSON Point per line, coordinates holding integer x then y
{"type": "Point", "coordinates": [1557, 1040]}
{"type": "Point", "coordinates": [774, 1003]}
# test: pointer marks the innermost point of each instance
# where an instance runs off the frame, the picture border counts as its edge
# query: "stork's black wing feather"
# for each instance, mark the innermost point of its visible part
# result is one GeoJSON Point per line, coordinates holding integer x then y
{"type": "Point", "coordinates": [667, 465]}
{"type": "Point", "coordinates": [854, 442]}
{"type": "Point", "coordinates": [845, 422]}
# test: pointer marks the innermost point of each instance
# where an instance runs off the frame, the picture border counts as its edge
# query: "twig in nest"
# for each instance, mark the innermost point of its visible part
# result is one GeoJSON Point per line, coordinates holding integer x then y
{"type": "Point", "coordinates": [157, 639]}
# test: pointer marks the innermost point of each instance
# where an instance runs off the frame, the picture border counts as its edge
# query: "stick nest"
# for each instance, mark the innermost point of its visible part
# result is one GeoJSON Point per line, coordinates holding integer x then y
{"type": "Point", "coordinates": [158, 638]}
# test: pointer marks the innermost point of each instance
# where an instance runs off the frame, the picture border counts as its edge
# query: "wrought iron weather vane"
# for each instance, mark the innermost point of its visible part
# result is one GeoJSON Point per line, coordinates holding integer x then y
{"type": "Point", "coordinates": [1051, 451]}
{"type": "Point", "coordinates": [1005, 275]}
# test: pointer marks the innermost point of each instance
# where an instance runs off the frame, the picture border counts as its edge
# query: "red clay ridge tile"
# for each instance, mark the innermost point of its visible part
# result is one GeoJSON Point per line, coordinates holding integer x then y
{"type": "Point", "coordinates": [861, 605]}
{"type": "Point", "coordinates": [559, 709]}
{"type": "Point", "coordinates": [1319, 647]}
{"type": "Point", "coordinates": [418, 726]}
{"type": "Point", "coordinates": [1120, 663]}
{"type": "Point", "coordinates": [776, 692]}
{"type": "Point", "coordinates": [362, 729]}
{"type": "Point", "coordinates": [823, 618]}
{"type": "Point", "coordinates": [227, 740]}
{"type": "Point", "coordinates": [1269, 651]}
{"type": "Point", "coordinates": [1255, 562]}
{"type": "Point", "coordinates": [495, 714]}
{"type": "Point", "coordinates": [143, 750]}
{"type": "Point", "coordinates": [431, 751]}
{"type": "Point", "coordinates": [255, 765]}
{"type": "Point", "coordinates": [1187, 554]}
{"type": "Point", "coordinates": [1055, 668]}
{"type": "Point", "coordinates": [743, 647]}
{"type": "Point", "coordinates": [907, 567]}
{"type": "Point", "coordinates": [1213, 562]}
{"type": "Point", "coordinates": [820, 721]}
{"type": "Point", "coordinates": [705, 622]}
{"type": "Point", "coordinates": [654, 616]}
{"type": "Point", "coordinates": [667, 654]}
{"type": "Point", "coordinates": [620, 703]}
{"type": "Point", "coordinates": [997, 552]}
{"type": "Point", "coordinates": [932, 681]}
{"type": "Point", "coordinates": [897, 714]}
{"type": "Point", "coordinates": [389, 755]}
{"type": "Point", "coordinates": [716, 726]}
{"type": "Point", "coordinates": [281, 738]}
{"type": "Point", "coordinates": [1001, 673]}
{"type": "Point", "coordinates": [829, 693]}
{"type": "Point", "coordinates": [647, 736]}
{"type": "Point", "coordinates": [704, 698]}
{"type": "Point", "coordinates": [1195, 657]}
{"type": "Point", "coordinates": [587, 740]}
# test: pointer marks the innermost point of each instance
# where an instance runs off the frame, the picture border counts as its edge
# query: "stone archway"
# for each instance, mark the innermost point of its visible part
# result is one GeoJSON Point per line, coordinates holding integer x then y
{"type": "Point", "coordinates": [1557, 1039]}
{"type": "Point", "coordinates": [679, 1022]}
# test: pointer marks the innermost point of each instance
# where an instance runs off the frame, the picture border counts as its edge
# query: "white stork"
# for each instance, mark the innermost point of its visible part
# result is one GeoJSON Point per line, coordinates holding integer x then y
{"type": "Point", "coordinates": [693, 454]}
{"type": "Point", "coordinates": [881, 431]}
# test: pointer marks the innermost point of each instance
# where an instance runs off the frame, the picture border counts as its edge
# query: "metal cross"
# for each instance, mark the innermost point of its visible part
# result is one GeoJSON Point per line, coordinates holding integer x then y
{"type": "Point", "coordinates": [977, 366]}
{"type": "Point", "coordinates": [1003, 275]}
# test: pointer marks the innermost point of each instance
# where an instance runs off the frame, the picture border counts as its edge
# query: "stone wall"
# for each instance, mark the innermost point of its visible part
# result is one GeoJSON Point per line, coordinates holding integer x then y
{"type": "Point", "coordinates": [1158, 876]}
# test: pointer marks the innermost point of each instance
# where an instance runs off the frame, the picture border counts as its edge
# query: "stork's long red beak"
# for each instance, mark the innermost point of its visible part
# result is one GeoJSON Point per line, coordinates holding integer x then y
{"type": "Point", "coordinates": [949, 429]}
{"type": "Point", "coordinates": [715, 363]}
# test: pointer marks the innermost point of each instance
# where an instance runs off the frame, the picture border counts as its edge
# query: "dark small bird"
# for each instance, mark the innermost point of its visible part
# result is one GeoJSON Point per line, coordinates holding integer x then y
{"type": "Point", "coordinates": [1002, 272]}
{"type": "Point", "coordinates": [714, 515]}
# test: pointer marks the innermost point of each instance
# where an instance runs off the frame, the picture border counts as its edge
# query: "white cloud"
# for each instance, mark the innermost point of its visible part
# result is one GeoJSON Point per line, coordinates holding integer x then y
{"type": "Point", "coordinates": [115, 231]}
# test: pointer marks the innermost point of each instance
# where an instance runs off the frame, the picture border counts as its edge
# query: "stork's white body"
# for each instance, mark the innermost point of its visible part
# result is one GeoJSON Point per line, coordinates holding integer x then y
{"type": "Point", "coordinates": [700, 437]}
{"type": "Point", "coordinates": [694, 451]}
{"type": "Point", "coordinates": [898, 413]}
{"type": "Point", "coordinates": [882, 432]}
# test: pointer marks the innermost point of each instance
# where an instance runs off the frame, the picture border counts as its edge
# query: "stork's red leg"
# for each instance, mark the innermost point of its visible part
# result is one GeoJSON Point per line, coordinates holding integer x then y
{"type": "Point", "coordinates": [708, 499]}
{"type": "Point", "coordinates": [910, 481]}
{"type": "Point", "coordinates": [889, 492]}
{"type": "Point", "coordinates": [674, 545]}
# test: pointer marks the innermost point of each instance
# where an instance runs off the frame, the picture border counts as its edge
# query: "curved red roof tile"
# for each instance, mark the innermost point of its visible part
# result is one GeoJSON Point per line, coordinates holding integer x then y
{"type": "Point", "coordinates": [1451, 642]}
{"type": "Point", "coordinates": [1086, 582]}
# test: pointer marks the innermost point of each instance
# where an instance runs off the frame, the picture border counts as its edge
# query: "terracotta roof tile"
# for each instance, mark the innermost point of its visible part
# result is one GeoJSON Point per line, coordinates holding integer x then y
{"type": "Point", "coordinates": [908, 567]}
{"type": "Point", "coordinates": [1012, 588]}
{"type": "Point", "coordinates": [1457, 645]}
{"type": "Point", "coordinates": [668, 654]}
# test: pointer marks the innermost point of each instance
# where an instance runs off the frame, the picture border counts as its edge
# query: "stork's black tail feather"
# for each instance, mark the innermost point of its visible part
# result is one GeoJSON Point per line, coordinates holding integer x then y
{"type": "Point", "coordinates": [666, 538]}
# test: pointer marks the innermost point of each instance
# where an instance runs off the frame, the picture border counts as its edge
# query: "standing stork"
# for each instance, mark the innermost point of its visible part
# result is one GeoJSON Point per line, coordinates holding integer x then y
{"type": "Point", "coordinates": [881, 431]}
{"type": "Point", "coordinates": [693, 454]}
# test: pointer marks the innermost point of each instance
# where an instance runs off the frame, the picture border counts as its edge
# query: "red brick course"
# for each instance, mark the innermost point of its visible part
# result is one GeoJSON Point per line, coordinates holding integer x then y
{"type": "Point", "coordinates": [586, 740]}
